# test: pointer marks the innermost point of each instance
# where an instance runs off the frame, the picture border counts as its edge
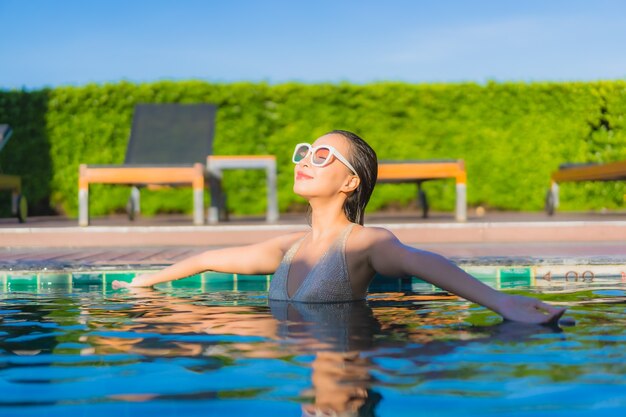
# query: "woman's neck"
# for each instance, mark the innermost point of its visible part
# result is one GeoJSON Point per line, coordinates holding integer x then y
{"type": "Point", "coordinates": [327, 218]}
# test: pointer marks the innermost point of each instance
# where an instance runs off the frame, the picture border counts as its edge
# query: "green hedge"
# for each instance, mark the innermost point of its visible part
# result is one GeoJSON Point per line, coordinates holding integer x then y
{"type": "Point", "coordinates": [511, 135]}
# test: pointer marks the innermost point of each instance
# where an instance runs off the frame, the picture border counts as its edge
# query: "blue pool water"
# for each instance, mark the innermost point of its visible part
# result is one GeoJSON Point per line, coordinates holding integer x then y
{"type": "Point", "coordinates": [182, 351]}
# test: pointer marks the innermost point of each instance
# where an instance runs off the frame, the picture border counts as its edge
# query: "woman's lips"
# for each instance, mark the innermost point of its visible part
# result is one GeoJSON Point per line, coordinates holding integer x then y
{"type": "Point", "coordinates": [302, 176]}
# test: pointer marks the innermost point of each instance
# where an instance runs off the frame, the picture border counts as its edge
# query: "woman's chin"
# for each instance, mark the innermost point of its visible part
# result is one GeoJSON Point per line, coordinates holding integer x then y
{"type": "Point", "coordinates": [301, 189]}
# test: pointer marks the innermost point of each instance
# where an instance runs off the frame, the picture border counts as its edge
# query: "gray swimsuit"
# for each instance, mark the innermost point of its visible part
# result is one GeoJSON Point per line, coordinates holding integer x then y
{"type": "Point", "coordinates": [327, 281]}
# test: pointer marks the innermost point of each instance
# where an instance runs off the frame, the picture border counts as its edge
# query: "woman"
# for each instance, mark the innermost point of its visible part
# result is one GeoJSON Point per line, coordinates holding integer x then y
{"type": "Point", "coordinates": [337, 259]}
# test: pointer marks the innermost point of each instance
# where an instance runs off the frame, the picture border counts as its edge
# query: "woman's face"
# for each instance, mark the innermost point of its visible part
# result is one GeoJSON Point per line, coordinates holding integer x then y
{"type": "Point", "coordinates": [314, 181]}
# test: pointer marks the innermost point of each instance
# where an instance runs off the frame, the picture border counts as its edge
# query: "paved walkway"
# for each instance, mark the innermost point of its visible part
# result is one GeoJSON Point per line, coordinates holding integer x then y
{"type": "Point", "coordinates": [497, 238]}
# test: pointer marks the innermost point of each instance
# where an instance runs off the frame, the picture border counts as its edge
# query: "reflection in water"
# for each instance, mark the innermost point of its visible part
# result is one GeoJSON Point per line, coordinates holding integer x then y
{"type": "Point", "coordinates": [337, 333]}
{"type": "Point", "coordinates": [334, 359]}
{"type": "Point", "coordinates": [338, 327]}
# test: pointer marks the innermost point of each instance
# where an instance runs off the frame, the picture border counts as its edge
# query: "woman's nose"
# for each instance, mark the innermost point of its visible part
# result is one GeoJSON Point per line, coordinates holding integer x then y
{"type": "Point", "coordinates": [306, 161]}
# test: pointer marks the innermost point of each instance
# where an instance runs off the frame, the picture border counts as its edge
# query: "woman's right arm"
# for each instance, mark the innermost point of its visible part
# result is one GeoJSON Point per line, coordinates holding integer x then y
{"type": "Point", "coordinates": [260, 258]}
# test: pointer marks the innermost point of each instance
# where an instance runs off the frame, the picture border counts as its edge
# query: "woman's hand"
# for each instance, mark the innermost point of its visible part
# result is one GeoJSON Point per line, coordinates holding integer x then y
{"type": "Point", "coordinates": [137, 282]}
{"type": "Point", "coordinates": [527, 310]}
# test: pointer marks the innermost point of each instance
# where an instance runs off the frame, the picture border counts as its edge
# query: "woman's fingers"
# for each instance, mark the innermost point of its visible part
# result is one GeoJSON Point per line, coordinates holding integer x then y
{"type": "Point", "coordinates": [119, 284]}
{"type": "Point", "coordinates": [530, 310]}
{"type": "Point", "coordinates": [556, 315]}
{"type": "Point", "coordinates": [552, 313]}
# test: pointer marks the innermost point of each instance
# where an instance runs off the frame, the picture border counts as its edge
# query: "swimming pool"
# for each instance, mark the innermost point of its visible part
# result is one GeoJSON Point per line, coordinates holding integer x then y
{"type": "Point", "coordinates": [214, 345]}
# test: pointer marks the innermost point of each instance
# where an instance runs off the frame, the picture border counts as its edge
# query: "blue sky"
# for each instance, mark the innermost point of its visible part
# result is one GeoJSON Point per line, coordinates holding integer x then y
{"type": "Point", "coordinates": [68, 42]}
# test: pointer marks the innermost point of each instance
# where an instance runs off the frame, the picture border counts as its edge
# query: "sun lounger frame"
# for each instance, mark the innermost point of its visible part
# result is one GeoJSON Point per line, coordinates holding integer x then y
{"type": "Point", "coordinates": [424, 170]}
{"type": "Point", "coordinates": [614, 171]}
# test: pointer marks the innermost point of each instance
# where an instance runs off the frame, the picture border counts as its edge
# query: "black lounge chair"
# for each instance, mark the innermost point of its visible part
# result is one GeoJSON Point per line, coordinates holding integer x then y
{"type": "Point", "coordinates": [168, 145]}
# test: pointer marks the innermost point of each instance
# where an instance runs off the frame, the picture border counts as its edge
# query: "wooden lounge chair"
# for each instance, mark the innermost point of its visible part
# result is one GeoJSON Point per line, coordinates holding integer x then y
{"type": "Point", "coordinates": [169, 145]}
{"type": "Point", "coordinates": [13, 183]}
{"type": "Point", "coordinates": [420, 171]}
{"type": "Point", "coordinates": [615, 171]}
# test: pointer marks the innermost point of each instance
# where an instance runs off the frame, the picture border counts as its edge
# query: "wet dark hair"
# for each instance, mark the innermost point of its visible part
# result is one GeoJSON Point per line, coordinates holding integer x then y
{"type": "Point", "coordinates": [364, 160]}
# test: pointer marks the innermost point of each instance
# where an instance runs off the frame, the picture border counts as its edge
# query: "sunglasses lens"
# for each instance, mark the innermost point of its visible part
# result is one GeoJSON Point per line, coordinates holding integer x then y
{"type": "Point", "coordinates": [300, 153]}
{"type": "Point", "coordinates": [320, 157]}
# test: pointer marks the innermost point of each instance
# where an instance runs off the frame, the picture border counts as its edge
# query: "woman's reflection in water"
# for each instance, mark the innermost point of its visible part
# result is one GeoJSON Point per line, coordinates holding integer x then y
{"type": "Point", "coordinates": [338, 333]}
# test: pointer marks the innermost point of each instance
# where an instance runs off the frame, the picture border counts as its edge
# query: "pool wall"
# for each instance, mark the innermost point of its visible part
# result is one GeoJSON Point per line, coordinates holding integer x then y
{"type": "Point", "coordinates": [496, 276]}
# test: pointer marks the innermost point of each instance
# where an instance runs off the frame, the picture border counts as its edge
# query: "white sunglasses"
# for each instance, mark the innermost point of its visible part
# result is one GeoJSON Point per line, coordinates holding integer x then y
{"type": "Point", "coordinates": [320, 155]}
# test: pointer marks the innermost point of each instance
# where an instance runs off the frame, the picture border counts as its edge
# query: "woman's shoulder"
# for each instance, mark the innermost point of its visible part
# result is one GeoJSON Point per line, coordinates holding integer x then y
{"type": "Point", "coordinates": [368, 235]}
{"type": "Point", "coordinates": [286, 241]}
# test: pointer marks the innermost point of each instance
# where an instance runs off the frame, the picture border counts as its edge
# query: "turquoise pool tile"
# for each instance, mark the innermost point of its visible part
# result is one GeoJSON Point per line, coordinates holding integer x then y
{"type": "Point", "coordinates": [218, 286]}
{"type": "Point", "coordinates": [252, 285]}
{"type": "Point", "coordinates": [216, 281]}
{"type": "Point", "coordinates": [515, 277]}
{"type": "Point", "coordinates": [255, 278]}
{"type": "Point", "coordinates": [22, 277]}
{"type": "Point", "coordinates": [189, 282]}
{"type": "Point", "coordinates": [418, 285]}
{"type": "Point", "coordinates": [487, 276]}
{"type": "Point", "coordinates": [109, 277]}
{"type": "Point", "coordinates": [21, 281]}
{"type": "Point", "coordinates": [490, 281]}
{"type": "Point", "coordinates": [87, 278]}
{"type": "Point", "coordinates": [382, 283]}
{"type": "Point", "coordinates": [211, 285]}
{"type": "Point", "coordinates": [218, 277]}
{"type": "Point", "coordinates": [55, 279]}
{"type": "Point", "coordinates": [250, 282]}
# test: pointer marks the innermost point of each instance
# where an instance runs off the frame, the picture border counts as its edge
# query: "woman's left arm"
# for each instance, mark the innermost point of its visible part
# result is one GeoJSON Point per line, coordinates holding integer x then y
{"type": "Point", "coordinates": [389, 257]}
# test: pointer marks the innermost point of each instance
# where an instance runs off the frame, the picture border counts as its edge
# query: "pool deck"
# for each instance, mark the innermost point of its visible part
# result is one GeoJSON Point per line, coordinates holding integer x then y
{"type": "Point", "coordinates": [495, 238]}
